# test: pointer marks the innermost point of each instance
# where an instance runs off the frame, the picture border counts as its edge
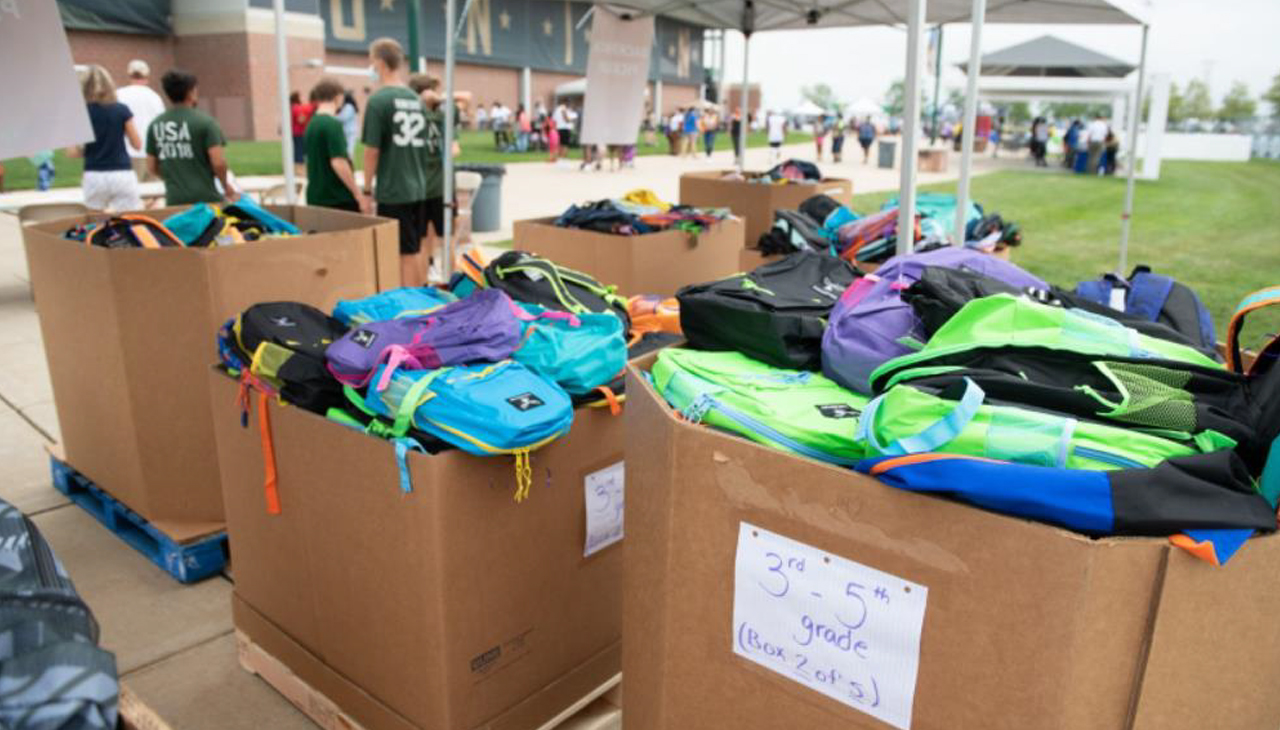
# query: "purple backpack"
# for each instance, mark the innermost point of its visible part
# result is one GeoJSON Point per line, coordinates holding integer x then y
{"type": "Point", "coordinates": [871, 325]}
{"type": "Point", "coordinates": [484, 327]}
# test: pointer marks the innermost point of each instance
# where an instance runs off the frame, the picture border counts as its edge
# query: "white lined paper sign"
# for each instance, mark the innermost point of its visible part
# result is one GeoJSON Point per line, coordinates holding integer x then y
{"type": "Point", "coordinates": [606, 502]}
{"type": "Point", "coordinates": [831, 624]}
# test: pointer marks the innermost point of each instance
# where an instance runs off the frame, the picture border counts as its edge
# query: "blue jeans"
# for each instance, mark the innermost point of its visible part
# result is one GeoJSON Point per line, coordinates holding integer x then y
{"type": "Point", "coordinates": [44, 176]}
{"type": "Point", "coordinates": [709, 141]}
{"type": "Point", "coordinates": [522, 142]}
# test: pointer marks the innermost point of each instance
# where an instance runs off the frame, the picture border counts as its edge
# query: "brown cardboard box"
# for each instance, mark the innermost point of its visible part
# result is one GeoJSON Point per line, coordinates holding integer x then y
{"type": "Point", "coordinates": [756, 202]}
{"type": "Point", "coordinates": [447, 608]}
{"type": "Point", "coordinates": [1026, 626]}
{"type": "Point", "coordinates": [654, 263]}
{"type": "Point", "coordinates": [129, 336]}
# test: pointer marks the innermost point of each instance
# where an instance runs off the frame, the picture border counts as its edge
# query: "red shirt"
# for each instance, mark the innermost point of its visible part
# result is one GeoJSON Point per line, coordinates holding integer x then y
{"type": "Point", "coordinates": [301, 114]}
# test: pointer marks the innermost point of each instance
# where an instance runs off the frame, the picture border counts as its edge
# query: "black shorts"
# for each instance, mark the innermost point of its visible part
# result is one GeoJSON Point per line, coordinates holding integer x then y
{"type": "Point", "coordinates": [412, 218]}
{"type": "Point", "coordinates": [435, 214]}
{"type": "Point", "coordinates": [350, 206]}
{"type": "Point", "coordinates": [775, 145]}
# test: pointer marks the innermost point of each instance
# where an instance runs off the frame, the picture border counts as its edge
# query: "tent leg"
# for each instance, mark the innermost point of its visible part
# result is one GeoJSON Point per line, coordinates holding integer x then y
{"type": "Point", "coordinates": [450, 48]}
{"type": "Point", "coordinates": [910, 127]}
{"type": "Point", "coordinates": [744, 105]}
{"type": "Point", "coordinates": [1134, 116]}
{"type": "Point", "coordinates": [970, 118]}
{"type": "Point", "coordinates": [286, 116]}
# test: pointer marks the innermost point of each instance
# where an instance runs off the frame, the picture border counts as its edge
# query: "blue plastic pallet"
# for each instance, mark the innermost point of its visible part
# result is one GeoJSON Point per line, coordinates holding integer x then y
{"type": "Point", "coordinates": [188, 562]}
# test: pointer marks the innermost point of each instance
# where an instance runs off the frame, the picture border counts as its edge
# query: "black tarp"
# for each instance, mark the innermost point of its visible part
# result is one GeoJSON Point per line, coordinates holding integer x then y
{"type": "Point", "coordinates": [119, 16]}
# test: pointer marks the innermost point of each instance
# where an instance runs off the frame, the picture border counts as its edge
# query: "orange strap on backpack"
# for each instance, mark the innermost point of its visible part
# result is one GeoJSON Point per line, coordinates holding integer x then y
{"type": "Point", "coordinates": [144, 233]}
{"type": "Point", "coordinates": [270, 488]}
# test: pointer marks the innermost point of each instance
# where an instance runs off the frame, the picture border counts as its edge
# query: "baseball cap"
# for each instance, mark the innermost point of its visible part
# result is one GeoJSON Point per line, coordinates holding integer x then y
{"type": "Point", "coordinates": [138, 67]}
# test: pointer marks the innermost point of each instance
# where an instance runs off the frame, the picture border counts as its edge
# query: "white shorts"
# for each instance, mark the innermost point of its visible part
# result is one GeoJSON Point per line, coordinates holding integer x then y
{"type": "Point", "coordinates": [113, 190]}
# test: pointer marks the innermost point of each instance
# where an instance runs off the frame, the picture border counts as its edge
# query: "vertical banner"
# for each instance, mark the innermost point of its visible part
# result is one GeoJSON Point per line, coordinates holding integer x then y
{"type": "Point", "coordinates": [44, 107]}
{"type": "Point", "coordinates": [617, 72]}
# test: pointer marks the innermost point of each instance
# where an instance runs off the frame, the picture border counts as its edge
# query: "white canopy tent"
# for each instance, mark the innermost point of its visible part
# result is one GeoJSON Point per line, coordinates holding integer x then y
{"type": "Point", "coordinates": [808, 109]}
{"type": "Point", "coordinates": [749, 16]}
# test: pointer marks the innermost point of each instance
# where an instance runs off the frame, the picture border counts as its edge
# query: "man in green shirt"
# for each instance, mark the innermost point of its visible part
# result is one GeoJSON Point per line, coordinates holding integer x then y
{"type": "Point", "coordinates": [331, 179]}
{"type": "Point", "coordinates": [397, 158]}
{"type": "Point", "coordinates": [185, 147]}
{"type": "Point", "coordinates": [427, 88]}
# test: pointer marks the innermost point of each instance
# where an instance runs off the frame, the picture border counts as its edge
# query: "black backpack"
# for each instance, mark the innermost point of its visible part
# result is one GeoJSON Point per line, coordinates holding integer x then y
{"type": "Point", "coordinates": [793, 231]}
{"type": "Point", "coordinates": [534, 280]}
{"type": "Point", "coordinates": [775, 314]}
{"type": "Point", "coordinates": [819, 207]}
{"type": "Point", "coordinates": [282, 345]}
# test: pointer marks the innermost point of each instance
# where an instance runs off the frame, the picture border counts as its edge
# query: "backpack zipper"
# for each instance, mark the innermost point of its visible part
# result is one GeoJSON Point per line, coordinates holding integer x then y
{"type": "Point", "coordinates": [697, 410]}
{"type": "Point", "coordinates": [46, 563]}
{"type": "Point", "coordinates": [1107, 457]}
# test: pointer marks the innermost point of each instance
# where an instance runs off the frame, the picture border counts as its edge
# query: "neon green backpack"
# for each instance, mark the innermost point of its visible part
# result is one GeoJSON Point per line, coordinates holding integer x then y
{"type": "Point", "coordinates": [792, 410]}
{"type": "Point", "coordinates": [907, 420]}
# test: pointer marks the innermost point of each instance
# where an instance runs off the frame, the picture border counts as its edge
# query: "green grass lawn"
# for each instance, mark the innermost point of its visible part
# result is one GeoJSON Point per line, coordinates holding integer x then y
{"type": "Point", "coordinates": [263, 158]}
{"type": "Point", "coordinates": [1214, 226]}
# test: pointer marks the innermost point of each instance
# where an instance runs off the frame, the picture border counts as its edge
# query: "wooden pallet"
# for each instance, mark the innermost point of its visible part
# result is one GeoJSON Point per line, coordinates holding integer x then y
{"type": "Point", "coordinates": [599, 710]}
{"type": "Point", "coordinates": [187, 562]}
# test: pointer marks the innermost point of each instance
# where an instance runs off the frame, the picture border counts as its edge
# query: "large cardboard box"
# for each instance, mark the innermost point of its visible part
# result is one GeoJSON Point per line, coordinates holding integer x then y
{"type": "Point", "coordinates": [756, 202]}
{"type": "Point", "coordinates": [451, 607]}
{"type": "Point", "coordinates": [1024, 625]}
{"type": "Point", "coordinates": [129, 335]}
{"type": "Point", "coordinates": [653, 263]}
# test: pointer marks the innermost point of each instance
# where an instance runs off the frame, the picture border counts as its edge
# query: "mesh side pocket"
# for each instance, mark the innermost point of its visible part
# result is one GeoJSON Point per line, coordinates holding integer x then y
{"type": "Point", "coordinates": [1027, 437]}
{"type": "Point", "coordinates": [1155, 396]}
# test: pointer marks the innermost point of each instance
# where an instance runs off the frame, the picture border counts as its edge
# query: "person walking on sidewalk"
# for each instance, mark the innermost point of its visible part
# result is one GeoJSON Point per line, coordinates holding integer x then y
{"type": "Point", "coordinates": [710, 124]}
{"type": "Point", "coordinates": [1096, 133]}
{"type": "Point", "coordinates": [331, 178]}
{"type": "Point", "coordinates": [866, 135]}
{"type": "Point", "coordinates": [146, 105]}
{"type": "Point", "coordinates": [837, 140]}
{"type": "Point", "coordinates": [108, 182]}
{"type": "Point", "coordinates": [396, 156]}
{"type": "Point", "coordinates": [186, 147]}
{"type": "Point", "coordinates": [777, 132]}
{"type": "Point", "coordinates": [689, 140]}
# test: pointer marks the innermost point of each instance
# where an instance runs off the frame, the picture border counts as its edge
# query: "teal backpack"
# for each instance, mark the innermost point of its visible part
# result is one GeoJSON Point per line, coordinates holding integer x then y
{"type": "Point", "coordinates": [792, 410]}
{"type": "Point", "coordinates": [485, 409]}
{"type": "Point", "coordinates": [404, 302]}
{"type": "Point", "coordinates": [578, 352]}
{"type": "Point", "coordinates": [907, 420]}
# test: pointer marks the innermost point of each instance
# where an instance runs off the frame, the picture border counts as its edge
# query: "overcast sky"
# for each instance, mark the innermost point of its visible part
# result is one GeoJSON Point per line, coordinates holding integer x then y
{"type": "Point", "coordinates": [1225, 40]}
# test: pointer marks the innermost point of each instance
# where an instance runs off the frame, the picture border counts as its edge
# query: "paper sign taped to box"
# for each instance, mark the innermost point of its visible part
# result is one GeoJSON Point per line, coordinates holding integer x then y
{"type": "Point", "coordinates": [44, 106]}
{"type": "Point", "coordinates": [606, 503]}
{"type": "Point", "coordinates": [833, 625]}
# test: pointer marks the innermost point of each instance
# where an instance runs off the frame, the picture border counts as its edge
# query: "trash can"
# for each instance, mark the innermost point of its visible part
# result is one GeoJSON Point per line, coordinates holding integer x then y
{"type": "Point", "coordinates": [486, 206]}
{"type": "Point", "coordinates": [888, 151]}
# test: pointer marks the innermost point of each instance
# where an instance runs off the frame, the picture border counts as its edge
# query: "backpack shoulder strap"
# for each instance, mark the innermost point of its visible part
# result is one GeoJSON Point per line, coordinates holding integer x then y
{"type": "Point", "coordinates": [1255, 301]}
{"type": "Point", "coordinates": [1148, 293]}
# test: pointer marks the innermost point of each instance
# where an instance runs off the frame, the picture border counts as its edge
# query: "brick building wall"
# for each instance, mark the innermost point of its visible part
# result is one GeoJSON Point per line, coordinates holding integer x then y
{"type": "Point", "coordinates": [113, 51]}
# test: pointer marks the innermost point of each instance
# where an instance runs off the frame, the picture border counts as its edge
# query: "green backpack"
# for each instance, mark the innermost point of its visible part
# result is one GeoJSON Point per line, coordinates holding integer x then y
{"type": "Point", "coordinates": [908, 420]}
{"type": "Point", "coordinates": [792, 410]}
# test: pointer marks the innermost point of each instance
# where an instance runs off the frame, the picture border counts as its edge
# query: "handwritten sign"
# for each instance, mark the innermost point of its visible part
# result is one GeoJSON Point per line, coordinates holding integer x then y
{"type": "Point", "coordinates": [833, 625]}
{"type": "Point", "coordinates": [606, 502]}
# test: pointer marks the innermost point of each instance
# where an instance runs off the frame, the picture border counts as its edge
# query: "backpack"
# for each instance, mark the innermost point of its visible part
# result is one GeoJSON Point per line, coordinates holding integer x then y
{"type": "Point", "coordinates": [794, 171]}
{"type": "Point", "coordinates": [775, 314]}
{"type": "Point", "coordinates": [53, 672]}
{"type": "Point", "coordinates": [1264, 382]}
{"type": "Point", "coordinates": [1155, 298]}
{"type": "Point", "coordinates": [910, 420]}
{"type": "Point", "coordinates": [1209, 493]}
{"type": "Point", "coordinates": [793, 231]}
{"type": "Point", "coordinates": [940, 207]}
{"type": "Point", "coordinates": [132, 230]}
{"type": "Point", "coordinates": [484, 327]}
{"type": "Point", "coordinates": [486, 409]}
{"type": "Point", "coordinates": [249, 211]}
{"type": "Point", "coordinates": [871, 324]}
{"type": "Point", "coordinates": [871, 238]}
{"type": "Point", "coordinates": [534, 280]}
{"type": "Point", "coordinates": [650, 313]}
{"type": "Point", "coordinates": [793, 410]}
{"type": "Point", "coordinates": [392, 304]}
{"type": "Point", "coordinates": [578, 352]}
{"type": "Point", "coordinates": [828, 213]}
{"type": "Point", "coordinates": [281, 347]}
{"type": "Point", "coordinates": [202, 226]}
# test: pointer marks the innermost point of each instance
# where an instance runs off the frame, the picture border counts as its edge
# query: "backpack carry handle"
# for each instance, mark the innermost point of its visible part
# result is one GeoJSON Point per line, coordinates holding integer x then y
{"type": "Point", "coordinates": [931, 437]}
{"type": "Point", "coordinates": [1255, 301]}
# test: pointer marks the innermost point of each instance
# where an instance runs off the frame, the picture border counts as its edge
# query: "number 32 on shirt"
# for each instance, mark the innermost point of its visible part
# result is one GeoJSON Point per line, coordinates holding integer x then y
{"type": "Point", "coordinates": [410, 124]}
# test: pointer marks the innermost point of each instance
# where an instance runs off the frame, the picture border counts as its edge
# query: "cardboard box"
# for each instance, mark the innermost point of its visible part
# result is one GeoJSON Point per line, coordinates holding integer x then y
{"type": "Point", "coordinates": [448, 608]}
{"type": "Point", "coordinates": [129, 335]}
{"type": "Point", "coordinates": [756, 202]}
{"type": "Point", "coordinates": [1025, 626]}
{"type": "Point", "coordinates": [654, 263]}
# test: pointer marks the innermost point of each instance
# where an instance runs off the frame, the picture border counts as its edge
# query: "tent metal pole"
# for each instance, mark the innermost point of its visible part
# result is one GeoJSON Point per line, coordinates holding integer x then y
{"type": "Point", "coordinates": [286, 116]}
{"type": "Point", "coordinates": [415, 58]}
{"type": "Point", "coordinates": [970, 117]}
{"type": "Point", "coordinates": [743, 103]}
{"type": "Point", "coordinates": [937, 86]}
{"type": "Point", "coordinates": [910, 127]}
{"type": "Point", "coordinates": [1135, 114]}
{"type": "Point", "coordinates": [450, 48]}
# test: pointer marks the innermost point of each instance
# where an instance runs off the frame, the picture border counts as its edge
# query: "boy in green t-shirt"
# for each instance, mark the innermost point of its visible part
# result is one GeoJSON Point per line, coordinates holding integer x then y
{"type": "Point", "coordinates": [428, 89]}
{"type": "Point", "coordinates": [396, 156]}
{"type": "Point", "coordinates": [331, 179]}
{"type": "Point", "coordinates": [185, 147]}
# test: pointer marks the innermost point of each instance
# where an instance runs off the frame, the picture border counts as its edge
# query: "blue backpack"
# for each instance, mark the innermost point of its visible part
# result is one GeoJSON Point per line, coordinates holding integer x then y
{"type": "Point", "coordinates": [485, 409]}
{"type": "Point", "coordinates": [1156, 298]}
{"type": "Point", "coordinates": [578, 352]}
{"type": "Point", "coordinates": [393, 304]}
